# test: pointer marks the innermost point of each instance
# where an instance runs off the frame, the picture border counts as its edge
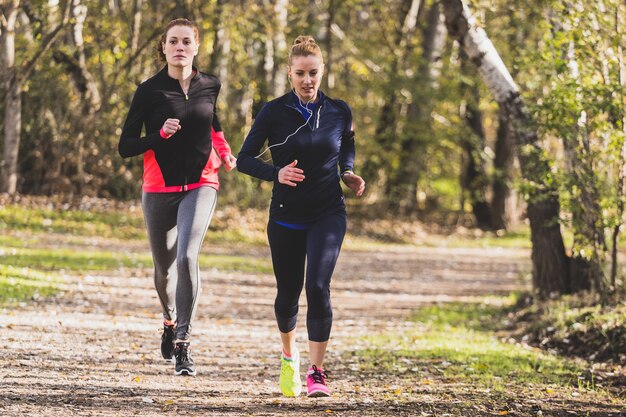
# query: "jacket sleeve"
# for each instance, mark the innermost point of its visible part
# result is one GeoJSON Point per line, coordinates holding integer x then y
{"type": "Point", "coordinates": [247, 161]}
{"type": "Point", "coordinates": [217, 137]}
{"type": "Point", "coordinates": [347, 150]}
{"type": "Point", "coordinates": [131, 143]}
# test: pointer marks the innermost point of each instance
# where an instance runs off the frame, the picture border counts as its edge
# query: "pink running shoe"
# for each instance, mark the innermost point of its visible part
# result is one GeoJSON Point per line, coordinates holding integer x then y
{"type": "Point", "coordinates": [316, 383]}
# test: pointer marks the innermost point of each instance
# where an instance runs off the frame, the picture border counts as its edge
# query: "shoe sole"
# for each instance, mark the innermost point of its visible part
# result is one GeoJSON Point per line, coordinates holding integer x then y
{"type": "Point", "coordinates": [186, 372]}
{"type": "Point", "coordinates": [318, 394]}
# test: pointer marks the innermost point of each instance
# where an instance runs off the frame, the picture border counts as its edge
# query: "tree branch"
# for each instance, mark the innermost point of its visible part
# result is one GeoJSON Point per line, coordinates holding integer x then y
{"type": "Point", "coordinates": [46, 42]}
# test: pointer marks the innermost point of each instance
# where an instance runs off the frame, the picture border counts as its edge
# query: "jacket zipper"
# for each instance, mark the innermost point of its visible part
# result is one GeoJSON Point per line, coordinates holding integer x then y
{"type": "Point", "coordinates": [184, 187]}
{"type": "Point", "coordinates": [317, 123]}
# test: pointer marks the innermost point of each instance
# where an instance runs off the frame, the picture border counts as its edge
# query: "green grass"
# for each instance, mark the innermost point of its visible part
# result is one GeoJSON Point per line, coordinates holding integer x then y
{"type": "Point", "coordinates": [25, 272]}
{"type": "Point", "coordinates": [41, 242]}
{"type": "Point", "coordinates": [589, 327]}
{"type": "Point", "coordinates": [86, 260]}
{"type": "Point", "coordinates": [82, 225]}
{"type": "Point", "coordinates": [457, 342]}
{"type": "Point", "coordinates": [71, 259]}
{"type": "Point", "coordinates": [236, 263]}
{"type": "Point", "coordinates": [74, 222]}
{"type": "Point", "coordinates": [18, 284]}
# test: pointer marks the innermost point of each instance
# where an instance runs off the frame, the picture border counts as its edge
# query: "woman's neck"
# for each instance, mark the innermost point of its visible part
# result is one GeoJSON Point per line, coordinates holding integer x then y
{"type": "Point", "coordinates": [182, 74]}
{"type": "Point", "coordinates": [303, 101]}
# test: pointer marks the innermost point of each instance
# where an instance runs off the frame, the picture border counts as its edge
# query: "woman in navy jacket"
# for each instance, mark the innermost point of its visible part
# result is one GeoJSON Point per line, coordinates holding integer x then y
{"type": "Point", "coordinates": [311, 141]}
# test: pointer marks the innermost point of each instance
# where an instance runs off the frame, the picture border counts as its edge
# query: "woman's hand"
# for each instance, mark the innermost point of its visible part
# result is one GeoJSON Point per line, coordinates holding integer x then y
{"type": "Point", "coordinates": [170, 127]}
{"type": "Point", "coordinates": [354, 182]}
{"type": "Point", "coordinates": [290, 175]}
{"type": "Point", "coordinates": [230, 162]}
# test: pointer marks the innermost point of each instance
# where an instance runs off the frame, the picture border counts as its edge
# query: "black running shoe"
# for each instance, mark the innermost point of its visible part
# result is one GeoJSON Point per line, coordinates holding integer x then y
{"type": "Point", "coordinates": [167, 342]}
{"type": "Point", "coordinates": [184, 362]}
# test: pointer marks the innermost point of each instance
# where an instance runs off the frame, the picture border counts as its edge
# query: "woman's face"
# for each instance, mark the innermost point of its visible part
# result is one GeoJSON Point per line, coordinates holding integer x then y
{"type": "Point", "coordinates": [306, 75]}
{"type": "Point", "coordinates": [180, 46]}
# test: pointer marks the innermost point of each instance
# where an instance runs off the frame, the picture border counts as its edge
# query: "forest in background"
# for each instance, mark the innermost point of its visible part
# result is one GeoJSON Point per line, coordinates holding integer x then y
{"type": "Point", "coordinates": [434, 137]}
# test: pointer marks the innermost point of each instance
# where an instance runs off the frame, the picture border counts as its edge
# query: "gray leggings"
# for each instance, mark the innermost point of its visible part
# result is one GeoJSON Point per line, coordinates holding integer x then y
{"type": "Point", "coordinates": [177, 223]}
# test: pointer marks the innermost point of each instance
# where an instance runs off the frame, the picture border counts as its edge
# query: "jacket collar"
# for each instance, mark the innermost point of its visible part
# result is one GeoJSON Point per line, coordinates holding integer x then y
{"type": "Point", "coordinates": [293, 98]}
{"type": "Point", "coordinates": [163, 73]}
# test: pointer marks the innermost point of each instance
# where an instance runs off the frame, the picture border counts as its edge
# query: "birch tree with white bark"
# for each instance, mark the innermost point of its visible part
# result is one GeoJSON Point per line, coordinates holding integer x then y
{"type": "Point", "coordinates": [550, 264]}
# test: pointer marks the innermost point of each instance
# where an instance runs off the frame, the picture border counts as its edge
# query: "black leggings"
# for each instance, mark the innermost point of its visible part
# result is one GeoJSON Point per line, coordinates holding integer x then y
{"type": "Point", "coordinates": [319, 245]}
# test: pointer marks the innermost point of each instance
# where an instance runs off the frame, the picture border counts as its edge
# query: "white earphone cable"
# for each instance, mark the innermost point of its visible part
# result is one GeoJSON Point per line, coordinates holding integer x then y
{"type": "Point", "coordinates": [298, 129]}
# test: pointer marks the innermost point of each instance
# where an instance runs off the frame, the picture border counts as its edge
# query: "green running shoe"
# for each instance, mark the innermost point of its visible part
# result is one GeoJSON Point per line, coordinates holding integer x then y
{"type": "Point", "coordinates": [290, 383]}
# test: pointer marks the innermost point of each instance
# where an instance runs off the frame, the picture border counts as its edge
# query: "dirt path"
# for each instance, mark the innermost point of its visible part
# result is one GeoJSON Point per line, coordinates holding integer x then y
{"type": "Point", "coordinates": [93, 351]}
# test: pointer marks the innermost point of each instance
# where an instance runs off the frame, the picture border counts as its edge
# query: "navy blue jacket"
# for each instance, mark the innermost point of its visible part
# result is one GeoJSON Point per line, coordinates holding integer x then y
{"type": "Point", "coordinates": [323, 145]}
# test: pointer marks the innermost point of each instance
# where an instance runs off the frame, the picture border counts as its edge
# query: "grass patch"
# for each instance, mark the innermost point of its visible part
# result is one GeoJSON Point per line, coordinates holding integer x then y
{"type": "Point", "coordinates": [236, 263]}
{"type": "Point", "coordinates": [71, 259]}
{"type": "Point", "coordinates": [121, 224]}
{"type": "Point", "coordinates": [19, 284]}
{"type": "Point", "coordinates": [576, 325]}
{"type": "Point", "coordinates": [126, 225]}
{"type": "Point", "coordinates": [30, 273]}
{"type": "Point", "coordinates": [457, 342]}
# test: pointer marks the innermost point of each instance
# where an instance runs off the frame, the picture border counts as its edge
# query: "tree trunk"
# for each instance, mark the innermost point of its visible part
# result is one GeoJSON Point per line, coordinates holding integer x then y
{"type": "Point", "coordinates": [87, 88]}
{"type": "Point", "coordinates": [503, 205]}
{"type": "Point", "coordinates": [280, 47]}
{"type": "Point", "coordinates": [475, 180]}
{"type": "Point", "coordinates": [589, 246]}
{"type": "Point", "coordinates": [136, 28]}
{"type": "Point", "coordinates": [386, 133]}
{"type": "Point", "coordinates": [475, 177]}
{"type": "Point", "coordinates": [14, 77]}
{"type": "Point", "coordinates": [329, 75]}
{"type": "Point", "coordinates": [419, 111]}
{"type": "Point", "coordinates": [275, 49]}
{"type": "Point", "coordinates": [550, 272]}
{"type": "Point", "coordinates": [621, 163]}
{"type": "Point", "coordinates": [221, 47]}
{"type": "Point", "coordinates": [12, 99]}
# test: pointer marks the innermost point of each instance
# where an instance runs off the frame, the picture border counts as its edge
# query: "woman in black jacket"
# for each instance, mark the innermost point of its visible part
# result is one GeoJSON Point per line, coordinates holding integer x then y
{"type": "Point", "coordinates": [311, 141]}
{"type": "Point", "coordinates": [176, 107]}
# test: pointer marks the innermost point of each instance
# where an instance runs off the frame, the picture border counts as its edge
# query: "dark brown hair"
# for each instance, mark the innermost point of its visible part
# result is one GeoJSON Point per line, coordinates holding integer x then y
{"type": "Point", "coordinates": [305, 46]}
{"type": "Point", "coordinates": [175, 22]}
